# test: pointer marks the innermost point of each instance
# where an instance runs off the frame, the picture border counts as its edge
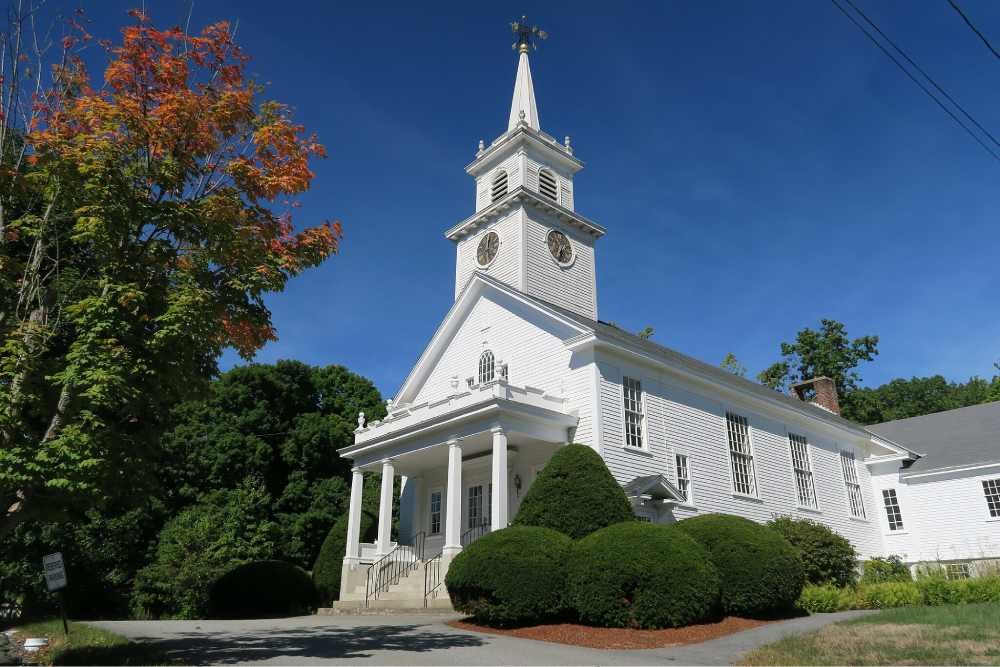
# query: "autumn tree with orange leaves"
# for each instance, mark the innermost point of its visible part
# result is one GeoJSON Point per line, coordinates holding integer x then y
{"type": "Point", "coordinates": [143, 218]}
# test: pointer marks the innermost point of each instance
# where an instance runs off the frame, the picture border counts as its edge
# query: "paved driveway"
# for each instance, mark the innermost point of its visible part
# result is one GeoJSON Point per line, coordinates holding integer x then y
{"type": "Point", "coordinates": [417, 640]}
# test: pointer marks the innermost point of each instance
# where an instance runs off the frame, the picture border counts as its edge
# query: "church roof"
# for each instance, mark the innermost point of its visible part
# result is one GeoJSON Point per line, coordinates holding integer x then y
{"type": "Point", "coordinates": [524, 97]}
{"type": "Point", "coordinates": [951, 439]}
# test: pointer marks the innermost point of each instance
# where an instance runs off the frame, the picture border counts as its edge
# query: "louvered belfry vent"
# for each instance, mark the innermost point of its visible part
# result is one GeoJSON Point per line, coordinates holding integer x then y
{"type": "Point", "coordinates": [547, 184]}
{"type": "Point", "coordinates": [499, 185]}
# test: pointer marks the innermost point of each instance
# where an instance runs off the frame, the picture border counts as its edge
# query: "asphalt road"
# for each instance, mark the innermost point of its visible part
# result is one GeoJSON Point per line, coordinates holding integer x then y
{"type": "Point", "coordinates": [418, 640]}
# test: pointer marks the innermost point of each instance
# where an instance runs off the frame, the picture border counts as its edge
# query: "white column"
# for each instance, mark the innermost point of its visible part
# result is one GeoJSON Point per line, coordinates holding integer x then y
{"type": "Point", "coordinates": [385, 508]}
{"type": "Point", "coordinates": [499, 502]}
{"type": "Point", "coordinates": [453, 507]}
{"type": "Point", "coordinates": [354, 515]}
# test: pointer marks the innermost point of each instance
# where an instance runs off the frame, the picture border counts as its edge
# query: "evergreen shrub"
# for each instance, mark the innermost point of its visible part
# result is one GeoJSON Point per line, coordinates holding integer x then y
{"type": "Point", "coordinates": [328, 566]}
{"type": "Point", "coordinates": [827, 557]}
{"type": "Point", "coordinates": [260, 589]}
{"type": "Point", "coordinates": [890, 568]}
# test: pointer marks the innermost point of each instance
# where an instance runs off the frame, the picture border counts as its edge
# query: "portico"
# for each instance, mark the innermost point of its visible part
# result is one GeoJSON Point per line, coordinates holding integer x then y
{"type": "Point", "coordinates": [464, 464]}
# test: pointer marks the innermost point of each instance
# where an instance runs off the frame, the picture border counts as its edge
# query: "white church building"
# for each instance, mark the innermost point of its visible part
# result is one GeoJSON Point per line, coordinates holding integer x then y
{"type": "Point", "coordinates": [521, 365]}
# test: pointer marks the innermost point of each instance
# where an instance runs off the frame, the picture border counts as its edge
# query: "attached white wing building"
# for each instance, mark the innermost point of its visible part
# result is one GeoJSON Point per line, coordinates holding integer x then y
{"type": "Point", "coordinates": [521, 365]}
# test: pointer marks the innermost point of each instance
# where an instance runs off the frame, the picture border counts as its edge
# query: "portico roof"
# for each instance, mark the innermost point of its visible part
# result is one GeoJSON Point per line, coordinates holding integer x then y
{"type": "Point", "coordinates": [655, 486]}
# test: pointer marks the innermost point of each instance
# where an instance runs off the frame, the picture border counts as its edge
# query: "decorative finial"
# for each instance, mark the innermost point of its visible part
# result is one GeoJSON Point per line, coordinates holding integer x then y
{"type": "Point", "coordinates": [569, 149]}
{"type": "Point", "coordinates": [520, 115]}
{"type": "Point", "coordinates": [361, 420]}
{"type": "Point", "coordinates": [482, 145]}
{"type": "Point", "coordinates": [526, 35]}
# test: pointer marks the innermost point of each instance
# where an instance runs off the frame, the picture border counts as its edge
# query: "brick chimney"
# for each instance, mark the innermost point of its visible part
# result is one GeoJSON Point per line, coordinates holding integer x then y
{"type": "Point", "coordinates": [821, 392]}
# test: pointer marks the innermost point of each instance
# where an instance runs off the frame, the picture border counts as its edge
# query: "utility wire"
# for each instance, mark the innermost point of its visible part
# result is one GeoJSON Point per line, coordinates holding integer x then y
{"type": "Point", "coordinates": [915, 80]}
{"type": "Point", "coordinates": [925, 74]}
{"type": "Point", "coordinates": [968, 22]}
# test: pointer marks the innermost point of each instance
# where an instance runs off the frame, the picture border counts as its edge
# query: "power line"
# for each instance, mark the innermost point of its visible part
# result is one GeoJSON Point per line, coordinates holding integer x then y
{"type": "Point", "coordinates": [925, 74]}
{"type": "Point", "coordinates": [972, 27]}
{"type": "Point", "coordinates": [912, 78]}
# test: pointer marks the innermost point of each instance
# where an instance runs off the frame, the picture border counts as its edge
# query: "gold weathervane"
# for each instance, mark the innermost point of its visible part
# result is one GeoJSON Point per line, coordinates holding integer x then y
{"type": "Point", "coordinates": [526, 35]}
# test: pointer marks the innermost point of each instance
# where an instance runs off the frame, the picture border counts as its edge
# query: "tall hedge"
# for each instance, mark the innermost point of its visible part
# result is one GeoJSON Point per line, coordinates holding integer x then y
{"type": "Point", "coordinates": [262, 588]}
{"type": "Point", "coordinates": [328, 566]}
{"type": "Point", "coordinates": [514, 576]}
{"type": "Point", "coordinates": [761, 572]}
{"type": "Point", "coordinates": [574, 494]}
{"type": "Point", "coordinates": [641, 575]}
{"type": "Point", "coordinates": [827, 556]}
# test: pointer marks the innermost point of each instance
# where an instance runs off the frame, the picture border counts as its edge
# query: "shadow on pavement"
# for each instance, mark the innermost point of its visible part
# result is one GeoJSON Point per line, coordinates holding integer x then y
{"type": "Point", "coordinates": [202, 648]}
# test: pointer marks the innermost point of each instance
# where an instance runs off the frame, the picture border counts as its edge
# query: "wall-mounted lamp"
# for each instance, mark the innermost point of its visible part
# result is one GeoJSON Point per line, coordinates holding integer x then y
{"type": "Point", "coordinates": [517, 484]}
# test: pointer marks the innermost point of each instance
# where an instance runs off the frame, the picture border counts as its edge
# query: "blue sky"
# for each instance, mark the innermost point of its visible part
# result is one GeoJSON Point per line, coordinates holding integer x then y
{"type": "Point", "coordinates": [758, 166]}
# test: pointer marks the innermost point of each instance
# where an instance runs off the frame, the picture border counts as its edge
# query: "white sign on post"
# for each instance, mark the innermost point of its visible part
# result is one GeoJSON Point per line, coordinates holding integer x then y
{"type": "Point", "coordinates": [55, 571]}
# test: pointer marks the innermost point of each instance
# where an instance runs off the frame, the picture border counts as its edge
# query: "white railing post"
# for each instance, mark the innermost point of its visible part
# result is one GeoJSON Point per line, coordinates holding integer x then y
{"type": "Point", "coordinates": [385, 508]}
{"type": "Point", "coordinates": [499, 502]}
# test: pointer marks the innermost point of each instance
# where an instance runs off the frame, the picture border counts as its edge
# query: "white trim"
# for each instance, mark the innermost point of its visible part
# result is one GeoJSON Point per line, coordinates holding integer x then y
{"type": "Point", "coordinates": [947, 471]}
{"type": "Point", "coordinates": [596, 420]}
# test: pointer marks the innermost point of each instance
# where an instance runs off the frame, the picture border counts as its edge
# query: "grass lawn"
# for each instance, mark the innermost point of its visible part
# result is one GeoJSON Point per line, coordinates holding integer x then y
{"type": "Point", "coordinates": [949, 635]}
{"type": "Point", "coordinates": [87, 645]}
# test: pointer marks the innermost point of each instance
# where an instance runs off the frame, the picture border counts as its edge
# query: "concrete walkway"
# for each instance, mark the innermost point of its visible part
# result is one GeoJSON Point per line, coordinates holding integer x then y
{"type": "Point", "coordinates": [418, 640]}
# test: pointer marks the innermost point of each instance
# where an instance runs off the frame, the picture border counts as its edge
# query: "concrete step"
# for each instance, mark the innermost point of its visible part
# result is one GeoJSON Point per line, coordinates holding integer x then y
{"type": "Point", "coordinates": [385, 608]}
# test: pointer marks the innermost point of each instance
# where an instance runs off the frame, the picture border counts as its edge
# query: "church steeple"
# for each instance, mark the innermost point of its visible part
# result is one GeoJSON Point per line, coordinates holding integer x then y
{"type": "Point", "coordinates": [524, 89]}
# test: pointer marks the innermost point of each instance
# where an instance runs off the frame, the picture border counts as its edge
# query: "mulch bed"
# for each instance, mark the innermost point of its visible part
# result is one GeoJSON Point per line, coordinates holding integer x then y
{"type": "Point", "coordinates": [620, 638]}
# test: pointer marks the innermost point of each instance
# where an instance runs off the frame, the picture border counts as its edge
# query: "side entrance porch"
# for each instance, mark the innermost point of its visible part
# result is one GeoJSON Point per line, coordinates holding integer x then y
{"type": "Point", "coordinates": [463, 470]}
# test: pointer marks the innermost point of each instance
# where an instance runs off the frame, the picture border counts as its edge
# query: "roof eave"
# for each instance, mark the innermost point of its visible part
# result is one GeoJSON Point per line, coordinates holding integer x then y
{"type": "Point", "coordinates": [521, 194]}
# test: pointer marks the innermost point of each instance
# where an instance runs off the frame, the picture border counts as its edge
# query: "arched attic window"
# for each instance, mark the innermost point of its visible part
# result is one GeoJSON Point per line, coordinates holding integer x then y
{"type": "Point", "coordinates": [499, 185]}
{"type": "Point", "coordinates": [487, 367]}
{"type": "Point", "coordinates": [547, 184]}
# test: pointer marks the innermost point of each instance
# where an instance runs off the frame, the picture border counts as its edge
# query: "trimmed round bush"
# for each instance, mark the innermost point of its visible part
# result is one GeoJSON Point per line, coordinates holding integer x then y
{"type": "Point", "coordinates": [761, 572]}
{"type": "Point", "coordinates": [328, 566]}
{"type": "Point", "coordinates": [574, 494]}
{"type": "Point", "coordinates": [262, 588]}
{"type": "Point", "coordinates": [514, 576]}
{"type": "Point", "coordinates": [641, 575]}
{"type": "Point", "coordinates": [827, 557]}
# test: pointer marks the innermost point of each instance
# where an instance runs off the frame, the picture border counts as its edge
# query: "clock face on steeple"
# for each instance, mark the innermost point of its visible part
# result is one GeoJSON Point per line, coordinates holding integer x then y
{"type": "Point", "coordinates": [487, 249]}
{"type": "Point", "coordinates": [560, 247]}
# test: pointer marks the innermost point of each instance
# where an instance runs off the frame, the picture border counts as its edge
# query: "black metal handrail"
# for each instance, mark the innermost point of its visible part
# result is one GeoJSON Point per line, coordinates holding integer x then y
{"type": "Point", "coordinates": [474, 533]}
{"type": "Point", "coordinates": [390, 568]}
{"type": "Point", "coordinates": [432, 576]}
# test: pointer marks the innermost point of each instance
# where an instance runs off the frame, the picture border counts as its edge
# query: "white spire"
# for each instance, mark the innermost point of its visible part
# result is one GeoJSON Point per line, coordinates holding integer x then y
{"type": "Point", "coordinates": [524, 95]}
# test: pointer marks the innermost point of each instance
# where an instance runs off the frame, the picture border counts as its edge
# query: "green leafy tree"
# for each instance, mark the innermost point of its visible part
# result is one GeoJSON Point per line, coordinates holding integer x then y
{"type": "Point", "coordinates": [199, 545]}
{"type": "Point", "coordinates": [144, 217]}
{"type": "Point", "coordinates": [901, 398]}
{"type": "Point", "coordinates": [732, 365]}
{"type": "Point", "coordinates": [282, 424]}
{"type": "Point", "coordinates": [827, 351]}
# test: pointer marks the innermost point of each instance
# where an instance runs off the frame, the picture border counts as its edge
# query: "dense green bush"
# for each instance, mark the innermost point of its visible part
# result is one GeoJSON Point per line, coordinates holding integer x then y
{"type": "Point", "coordinates": [827, 557]}
{"type": "Point", "coordinates": [888, 594]}
{"type": "Point", "coordinates": [328, 566]}
{"type": "Point", "coordinates": [514, 576]}
{"type": "Point", "coordinates": [826, 598]}
{"type": "Point", "coordinates": [201, 544]}
{"type": "Point", "coordinates": [641, 575]}
{"type": "Point", "coordinates": [891, 568]}
{"type": "Point", "coordinates": [574, 494]}
{"type": "Point", "coordinates": [761, 572]}
{"type": "Point", "coordinates": [262, 588]}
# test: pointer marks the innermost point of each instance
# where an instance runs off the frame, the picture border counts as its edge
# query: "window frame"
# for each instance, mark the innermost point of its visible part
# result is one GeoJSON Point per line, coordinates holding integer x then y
{"type": "Point", "coordinates": [846, 455]}
{"type": "Point", "coordinates": [890, 503]}
{"type": "Point", "coordinates": [750, 453]}
{"type": "Point", "coordinates": [963, 568]}
{"type": "Point", "coordinates": [991, 494]}
{"type": "Point", "coordinates": [430, 510]}
{"type": "Point", "coordinates": [643, 431]}
{"type": "Point", "coordinates": [808, 471]}
{"type": "Point", "coordinates": [689, 490]}
{"type": "Point", "coordinates": [492, 367]}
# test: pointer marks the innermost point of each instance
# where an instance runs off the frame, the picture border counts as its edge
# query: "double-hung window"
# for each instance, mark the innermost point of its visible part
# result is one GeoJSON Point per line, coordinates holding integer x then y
{"type": "Point", "coordinates": [479, 505]}
{"type": "Point", "coordinates": [802, 466]}
{"type": "Point", "coordinates": [991, 489]}
{"type": "Point", "coordinates": [741, 455]}
{"type": "Point", "coordinates": [683, 476]}
{"type": "Point", "coordinates": [852, 485]}
{"type": "Point", "coordinates": [435, 512]}
{"type": "Point", "coordinates": [957, 571]}
{"type": "Point", "coordinates": [892, 513]}
{"type": "Point", "coordinates": [632, 398]}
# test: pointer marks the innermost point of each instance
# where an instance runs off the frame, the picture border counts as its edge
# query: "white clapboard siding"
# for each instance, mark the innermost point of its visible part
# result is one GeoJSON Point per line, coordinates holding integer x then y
{"type": "Point", "coordinates": [945, 517]}
{"type": "Point", "coordinates": [679, 419]}
{"type": "Point", "coordinates": [529, 342]}
{"type": "Point", "coordinates": [506, 267]}
{"type": "Point", "coordinates": [571, 287]}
